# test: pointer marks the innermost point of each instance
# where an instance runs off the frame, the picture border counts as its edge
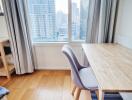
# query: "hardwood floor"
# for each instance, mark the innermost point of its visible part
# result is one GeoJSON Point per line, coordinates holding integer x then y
{"type": "Point", "coordinates": [42, 85]}
{"type": "Point", "coordinates": [3, 80]}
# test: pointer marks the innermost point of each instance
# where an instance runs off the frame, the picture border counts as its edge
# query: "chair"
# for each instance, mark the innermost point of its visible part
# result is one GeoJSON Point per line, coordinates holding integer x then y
{"type": "Point", "coordinates": [82, 77]}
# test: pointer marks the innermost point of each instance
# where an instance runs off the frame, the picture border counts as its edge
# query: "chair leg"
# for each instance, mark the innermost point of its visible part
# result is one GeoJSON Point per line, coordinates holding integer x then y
{"type": "Point", "coordinates": [78, 94]}
{"type": "Point", "coordinates": [97, 93]}
{"type": "Point", "coordinates": [90, 96]}
{"type": "Point", "coordinates": [73, 90]}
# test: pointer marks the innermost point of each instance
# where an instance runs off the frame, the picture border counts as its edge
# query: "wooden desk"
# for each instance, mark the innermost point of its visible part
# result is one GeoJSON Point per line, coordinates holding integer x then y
{"type": "Point", "coordinates": [112, 66]}
{"type": "Point", "coordinates": [6, 70]}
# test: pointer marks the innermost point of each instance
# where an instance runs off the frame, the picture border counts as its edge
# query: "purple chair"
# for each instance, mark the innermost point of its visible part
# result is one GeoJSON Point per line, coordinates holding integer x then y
{"type": "Point", "coordinates": [82, 77]}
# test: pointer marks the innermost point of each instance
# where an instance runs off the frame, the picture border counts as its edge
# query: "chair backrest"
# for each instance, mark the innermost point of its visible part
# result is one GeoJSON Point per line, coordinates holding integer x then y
{"type": "Point", "coordinates": [75, 66]}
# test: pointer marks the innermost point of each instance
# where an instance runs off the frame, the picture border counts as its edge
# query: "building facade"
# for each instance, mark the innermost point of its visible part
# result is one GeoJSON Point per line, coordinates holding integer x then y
{"type": "Point", "coordinates": [42, 14]}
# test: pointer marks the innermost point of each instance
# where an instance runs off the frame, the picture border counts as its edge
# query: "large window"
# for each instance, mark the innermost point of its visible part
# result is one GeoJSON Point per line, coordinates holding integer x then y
{"type": "Point", "coordinates": [50, 20]}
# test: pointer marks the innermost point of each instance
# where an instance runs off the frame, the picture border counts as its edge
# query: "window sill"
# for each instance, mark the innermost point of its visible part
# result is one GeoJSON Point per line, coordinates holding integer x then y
{"type": "Point", "coordinates": [76, 43]}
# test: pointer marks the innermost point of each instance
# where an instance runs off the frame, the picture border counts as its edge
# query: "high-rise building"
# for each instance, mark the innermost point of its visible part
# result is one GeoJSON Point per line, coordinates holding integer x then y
{"type": "Point", "coordinates": [75, 21]}
{"type": "Point", "coordinates": [62, 26]}
{"type": "Point", "coordinates": [43, 18]}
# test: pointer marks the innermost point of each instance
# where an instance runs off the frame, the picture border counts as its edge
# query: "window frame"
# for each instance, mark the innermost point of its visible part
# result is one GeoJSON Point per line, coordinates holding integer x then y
{"type": "Point", "coordinates": [69, 40]}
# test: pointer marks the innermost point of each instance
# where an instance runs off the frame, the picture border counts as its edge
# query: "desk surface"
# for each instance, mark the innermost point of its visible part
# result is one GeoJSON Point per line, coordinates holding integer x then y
{"type": "Point", "coordinates": [112, 66]}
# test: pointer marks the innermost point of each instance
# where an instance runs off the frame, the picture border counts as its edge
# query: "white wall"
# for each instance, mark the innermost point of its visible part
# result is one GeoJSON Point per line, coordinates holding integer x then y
{"type": "Point", "coordinates": [3, 28]}
{"type": "Point", "coordinates": [124, 23]}
{"type": "Point", "coordinates": [124, 30]}
{"type": "Point", "coordinates": [50, 56]}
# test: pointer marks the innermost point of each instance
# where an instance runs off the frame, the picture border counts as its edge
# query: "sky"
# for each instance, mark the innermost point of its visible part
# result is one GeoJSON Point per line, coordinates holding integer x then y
{"type": "Point", "coordinates": [62, 5]}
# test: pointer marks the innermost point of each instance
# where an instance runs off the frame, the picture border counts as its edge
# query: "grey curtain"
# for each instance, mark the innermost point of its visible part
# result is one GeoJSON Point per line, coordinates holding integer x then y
{"type": "Point", "coordinates": [17, 23]}
{"type": "Point", "coordinates": [101, 21]}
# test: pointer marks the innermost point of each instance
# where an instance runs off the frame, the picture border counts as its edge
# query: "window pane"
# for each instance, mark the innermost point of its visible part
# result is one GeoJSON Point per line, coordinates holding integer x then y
{"type": "Point", "coordinates": [79, 19]}
{"type": "Point", "coordinates": [49, 20]}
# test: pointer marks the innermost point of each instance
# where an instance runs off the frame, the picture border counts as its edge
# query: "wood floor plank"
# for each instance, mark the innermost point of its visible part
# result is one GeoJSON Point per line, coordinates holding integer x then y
{"type": "Point", "coordinates": [42, 85]}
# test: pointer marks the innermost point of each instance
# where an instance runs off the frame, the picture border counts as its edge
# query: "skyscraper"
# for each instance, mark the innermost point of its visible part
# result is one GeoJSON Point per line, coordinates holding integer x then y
{"type": "Point", "coordinates": [75, 21]}
{"type": "Point", "coordinates": [62, 26]}
{"type": "Point", "coordinates": [43, 18]}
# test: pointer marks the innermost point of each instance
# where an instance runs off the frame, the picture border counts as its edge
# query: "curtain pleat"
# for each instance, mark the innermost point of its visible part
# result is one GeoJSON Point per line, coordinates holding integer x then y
{"type": "Point", "coordinates": [101, 20]}
{"type": "Point", "coordinates": [93, 21]}
{"type": "Point", "coordinates": [15, 15]}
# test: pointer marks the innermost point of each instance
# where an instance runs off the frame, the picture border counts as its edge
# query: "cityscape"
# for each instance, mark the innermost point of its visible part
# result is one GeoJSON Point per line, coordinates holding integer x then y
{"type": "Point", "coordinates": [49, 24]}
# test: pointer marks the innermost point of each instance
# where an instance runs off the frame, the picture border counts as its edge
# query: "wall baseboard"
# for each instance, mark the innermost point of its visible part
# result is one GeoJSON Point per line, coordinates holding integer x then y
{"type": "Point", "coordinates": [124, 40]}
{"type": "Point", "coordinates": [53, 68]}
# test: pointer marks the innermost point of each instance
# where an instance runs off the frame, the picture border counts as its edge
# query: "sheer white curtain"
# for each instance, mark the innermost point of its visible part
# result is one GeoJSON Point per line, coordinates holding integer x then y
{"type": "Point", "coordinates": [17, 23]}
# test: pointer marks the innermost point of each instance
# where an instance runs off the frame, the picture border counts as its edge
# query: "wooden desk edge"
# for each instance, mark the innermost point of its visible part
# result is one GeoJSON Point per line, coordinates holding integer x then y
{"type": "Point", "coordinates": [100, 88]}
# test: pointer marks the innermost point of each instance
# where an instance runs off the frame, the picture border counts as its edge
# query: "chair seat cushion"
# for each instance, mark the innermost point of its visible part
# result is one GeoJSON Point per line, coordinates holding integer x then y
{"type": "Point", "coordinates": [88, 78]}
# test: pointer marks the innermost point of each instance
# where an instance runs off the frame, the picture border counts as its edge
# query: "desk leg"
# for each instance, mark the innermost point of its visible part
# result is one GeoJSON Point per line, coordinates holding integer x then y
{"type": "Point", "coordinates": [100, 95]}
{"type": "Point", "coordinates": [4, 59]}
